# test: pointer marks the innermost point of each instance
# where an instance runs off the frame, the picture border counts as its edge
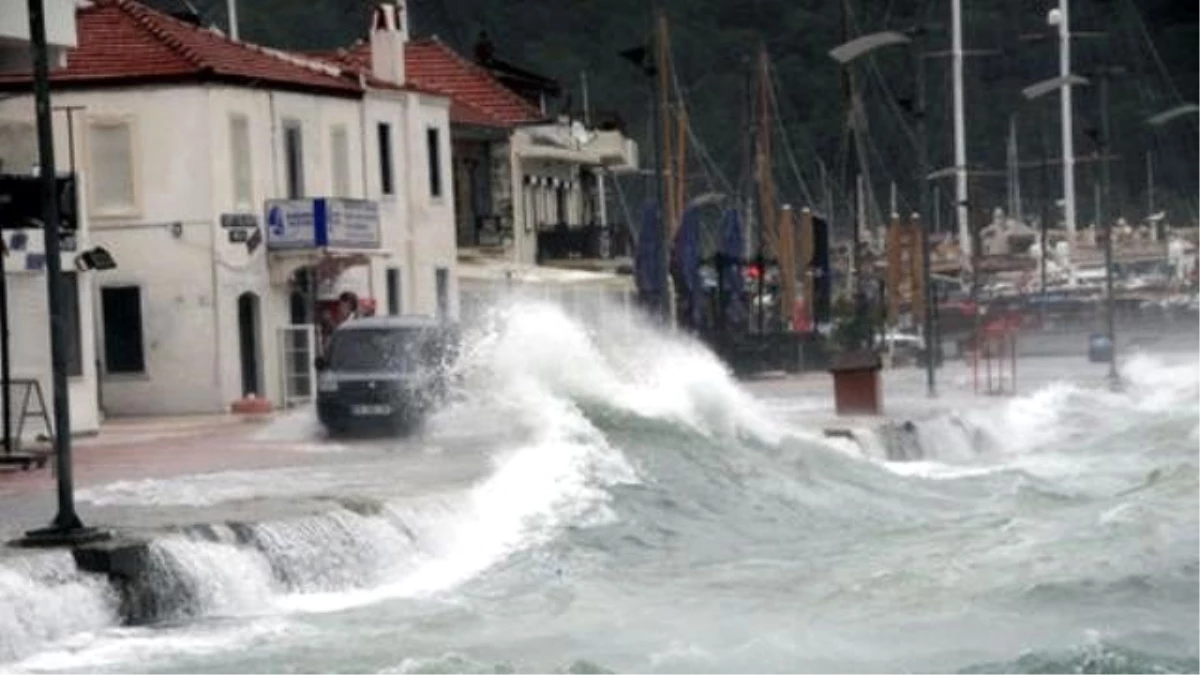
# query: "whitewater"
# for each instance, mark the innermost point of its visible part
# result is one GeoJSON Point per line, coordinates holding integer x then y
{"type": "Point", "coordinates": [625, 505]}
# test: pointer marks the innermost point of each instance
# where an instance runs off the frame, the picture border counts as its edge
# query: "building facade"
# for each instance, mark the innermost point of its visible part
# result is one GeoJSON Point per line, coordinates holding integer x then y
{"type": "Point", "coordinates": [186, 142]}
{"type": "Point", "coordinates": [529, 189]}
{"type": "Point", "coordinates": [24, 252]}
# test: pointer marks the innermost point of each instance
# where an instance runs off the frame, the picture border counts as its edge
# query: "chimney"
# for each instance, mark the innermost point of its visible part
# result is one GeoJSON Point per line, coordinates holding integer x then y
{"type": "Point", "coordinates": [389, 33]}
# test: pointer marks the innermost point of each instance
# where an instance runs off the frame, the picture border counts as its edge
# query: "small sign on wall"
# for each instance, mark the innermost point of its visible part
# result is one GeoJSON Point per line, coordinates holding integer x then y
{"type": "Point", "coordinates": [239, 236]}
{"type": "Point", "coordinates": [239, 221]}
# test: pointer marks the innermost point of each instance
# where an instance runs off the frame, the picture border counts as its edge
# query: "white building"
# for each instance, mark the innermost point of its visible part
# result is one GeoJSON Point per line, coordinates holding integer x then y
{"type": "Point", "coordinates": [184, 140]}
{"type": "Point", "coordinates": [29, 326]}
{"type": "Point", "coordinates": [529, 190]}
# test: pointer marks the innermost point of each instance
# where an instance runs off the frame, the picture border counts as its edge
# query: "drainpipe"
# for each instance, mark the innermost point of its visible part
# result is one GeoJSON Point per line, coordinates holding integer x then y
{"type": "Point", "coordinates": [216, 301]}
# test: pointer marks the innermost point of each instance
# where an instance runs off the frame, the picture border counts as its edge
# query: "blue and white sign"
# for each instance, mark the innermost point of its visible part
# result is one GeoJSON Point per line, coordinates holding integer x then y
{"type": "Point", "coordinates": [322, 222]}
{"type": "Point", "coordinates": [352, 223]}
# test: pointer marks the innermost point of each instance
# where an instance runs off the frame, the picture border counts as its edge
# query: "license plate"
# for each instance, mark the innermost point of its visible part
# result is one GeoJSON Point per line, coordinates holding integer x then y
{"type": "Point", "coordinates": [371, 410]}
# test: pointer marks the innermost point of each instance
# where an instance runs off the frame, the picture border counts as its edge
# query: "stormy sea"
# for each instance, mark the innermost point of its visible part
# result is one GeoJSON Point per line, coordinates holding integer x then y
{"type": "Point", "coordinates": [634, 508]}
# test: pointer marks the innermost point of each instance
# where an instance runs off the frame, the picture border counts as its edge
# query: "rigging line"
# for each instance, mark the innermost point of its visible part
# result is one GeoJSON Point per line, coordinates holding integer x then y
{"type": "Point", "coordinates": [892, 105]}
{"type": "Point", "coordinates": [787, 143]}
{"type": "Point", "coordinates": [709, 165]}
{"type": "Point", "coordinates": [1169, 81]}
{"type": "Point", "coordinates": [805, 137]}
{"type": "Point", "coordinates": [629, 223]}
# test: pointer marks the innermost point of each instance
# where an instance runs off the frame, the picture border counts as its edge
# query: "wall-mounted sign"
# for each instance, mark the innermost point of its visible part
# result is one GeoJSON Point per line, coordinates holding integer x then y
{"type": "Point", "coordinates": [239, 220]}
{"type": "Point", "coordinates": [322, 222]}
{"type": "Point", "coordinates": [254, 241]}
{"type": "Point", "coordinates": [352, 223]}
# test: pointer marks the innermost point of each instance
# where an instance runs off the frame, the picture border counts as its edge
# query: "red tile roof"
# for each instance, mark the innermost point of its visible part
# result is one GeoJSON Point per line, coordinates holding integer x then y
{"type": "Point", "coordinates": [476, 97]}
{"type": "Point", "coordinates": [124, 42]}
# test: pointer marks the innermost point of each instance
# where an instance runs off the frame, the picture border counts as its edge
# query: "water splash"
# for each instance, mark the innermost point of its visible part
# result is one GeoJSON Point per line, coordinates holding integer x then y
{"type": "Point", "coordinates": [44, 598]}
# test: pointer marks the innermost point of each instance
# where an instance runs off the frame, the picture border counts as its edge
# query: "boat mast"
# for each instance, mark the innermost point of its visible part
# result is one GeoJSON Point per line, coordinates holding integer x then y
{"type": "Point", "coordinates": [960, 134]}
{"type": "Point", "coordinates": [1014, 172]}
{"type": "Point", "coordinates": [666, 195]}
{"type": "Point", "coordinates": [1062, 19]}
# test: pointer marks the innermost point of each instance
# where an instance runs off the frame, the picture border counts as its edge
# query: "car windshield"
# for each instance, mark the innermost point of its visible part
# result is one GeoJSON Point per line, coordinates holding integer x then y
{"type": "Point", "coordinates": [394, 349]}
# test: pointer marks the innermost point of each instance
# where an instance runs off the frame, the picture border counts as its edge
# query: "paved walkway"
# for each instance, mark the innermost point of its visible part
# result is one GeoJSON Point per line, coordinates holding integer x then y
{"type": "Point", "coordinates": [137, 448]}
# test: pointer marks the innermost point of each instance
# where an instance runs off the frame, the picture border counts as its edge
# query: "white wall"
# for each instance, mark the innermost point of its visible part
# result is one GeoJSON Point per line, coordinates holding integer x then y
{"type": "Point", "coordinates": [433, 243]}
{"type": "Point", "coordinates": [171, 245]}
{"type": "Point", "coordinates": [418, 229]}
{"type": "Point", "coordinates": [29, 327]}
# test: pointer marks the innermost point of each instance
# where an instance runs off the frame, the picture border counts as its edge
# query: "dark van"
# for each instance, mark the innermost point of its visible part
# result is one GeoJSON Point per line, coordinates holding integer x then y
{"type": "Point", "coordinates": [384, 374]}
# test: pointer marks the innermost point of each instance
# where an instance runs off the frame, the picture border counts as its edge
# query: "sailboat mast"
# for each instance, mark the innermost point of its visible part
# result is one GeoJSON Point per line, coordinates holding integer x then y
{"type": "Point", "coordinates": [1068, 138]}
{"type": "Point", "coordinates": [960, 137]}
{"type": "Point", "coordinates": [1014, 172]}
{"type": "Point", "coordinates": [666, 200]}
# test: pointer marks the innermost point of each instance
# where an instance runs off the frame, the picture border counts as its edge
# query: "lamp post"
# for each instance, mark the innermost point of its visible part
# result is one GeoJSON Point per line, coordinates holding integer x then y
{"type": "Point", "coordinates": [847, 53]}
{"type": "Point", "coordinates": [66, 528]}
{"type": "Point", "coordinates": [1032, 93]}
{"type": "Point", "coordinates": [1104, 145]}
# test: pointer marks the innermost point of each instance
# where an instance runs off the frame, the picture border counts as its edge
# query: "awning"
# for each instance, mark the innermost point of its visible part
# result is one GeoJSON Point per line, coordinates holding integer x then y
{"type": "Point", "coordinates": [329, 262]}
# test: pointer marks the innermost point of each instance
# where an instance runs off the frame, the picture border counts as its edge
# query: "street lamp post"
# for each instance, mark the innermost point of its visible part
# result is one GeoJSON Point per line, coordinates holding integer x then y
{"type": "Point", "coordinates": [66, 528]}
{"type": "Point", "coordinates": [845, 54]}
{"type": "Point", "coordinates": [1104, 144]}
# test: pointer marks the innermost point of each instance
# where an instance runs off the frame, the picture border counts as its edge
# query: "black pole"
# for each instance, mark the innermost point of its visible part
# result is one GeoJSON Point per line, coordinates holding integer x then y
{"type": "Point", "coordinates": [932, 342]}
{"type": "Point", "coordinates": [1108, 239]}
{"type": "Point", "coordinates": [1047, 210]}
{"type": "Point", "coordinates": [5, 374]}
{"type": "Point", "coordinates": [66, 522]}
{"type": "Point", "coordinates": [664, 254]}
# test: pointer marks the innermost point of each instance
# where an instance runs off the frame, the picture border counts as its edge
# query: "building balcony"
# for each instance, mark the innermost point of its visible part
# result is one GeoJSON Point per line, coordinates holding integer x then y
{"type": "Point", "coordinates": [593, 241]}
{"type": "Point", "coordinates": [486, 232]}
{"type": "Point", "coordinates": [614, 150]}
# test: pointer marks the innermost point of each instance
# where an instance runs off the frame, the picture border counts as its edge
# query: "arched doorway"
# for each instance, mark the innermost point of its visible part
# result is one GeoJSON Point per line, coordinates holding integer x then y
{"type": "Point", "coordinates": [250, 340]}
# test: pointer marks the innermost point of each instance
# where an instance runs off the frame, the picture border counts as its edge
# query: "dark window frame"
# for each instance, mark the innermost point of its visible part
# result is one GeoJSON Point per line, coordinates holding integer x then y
{"type": "Point", "coordinates": [387, 175]}
{"type": "Point", "coordinates": [433, 148]}
{"type": "Point", "coordinates": [70, 286]}
{"type": "Point", "coordinates": [395, 285]}
{"type": "Point", "coordinates": [125, 353]}
{"type": "Point", "coordinates": [293, 149]}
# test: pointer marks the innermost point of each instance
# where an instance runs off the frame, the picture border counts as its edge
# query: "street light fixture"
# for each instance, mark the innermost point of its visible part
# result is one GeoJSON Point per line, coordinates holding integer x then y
{"type": "Point", "coordinates": [845, 54]}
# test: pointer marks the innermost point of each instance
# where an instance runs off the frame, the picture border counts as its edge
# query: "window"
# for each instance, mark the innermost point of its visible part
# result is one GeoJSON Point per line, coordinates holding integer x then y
{"type": "Point", "coordinates": [121, 307]}
{"type": "Point", "coordinates": [70, 286]}
{"type": "Point", "coordinates": [433, 144]}
{"type": "Point", "coordinates": [442, 278]}
{"type": "Point", "coordinates": [239, 157]}
{"type": "Point", "coordinates": [339, 149]}
{"type": "Point", "coordinates": [393, 291]}
{"type": "Point", "coordinates": [18, 147]}
{"type": "Point", "coordinates": [294, 149]}
{"type": "Point", "coordinates": [385, 159]}
{"type": "Point", "coordinates": [110, 158]}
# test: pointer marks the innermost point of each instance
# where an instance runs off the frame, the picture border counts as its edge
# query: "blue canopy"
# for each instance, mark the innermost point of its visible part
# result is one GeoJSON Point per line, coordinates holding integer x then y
{"type": "Point", "coordinates": [686, 261]}
{"type": "Point", "coordinates": [733, 247]}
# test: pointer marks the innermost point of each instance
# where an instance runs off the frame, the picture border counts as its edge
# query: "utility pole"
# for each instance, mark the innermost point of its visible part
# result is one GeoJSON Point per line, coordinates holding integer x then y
{"type": "Point", "coordinates": [933, 341]}
{"type": "Point", "coordinates": [661, 142]}
{"type": "Point", "coordinates": [67, 527]}
{"type": "Point", "coordinates": [1105, 143]}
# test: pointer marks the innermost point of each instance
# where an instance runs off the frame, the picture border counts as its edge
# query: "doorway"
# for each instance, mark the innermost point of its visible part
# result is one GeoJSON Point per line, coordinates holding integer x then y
{"type": "Point", "coordinates": [249, 338]}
